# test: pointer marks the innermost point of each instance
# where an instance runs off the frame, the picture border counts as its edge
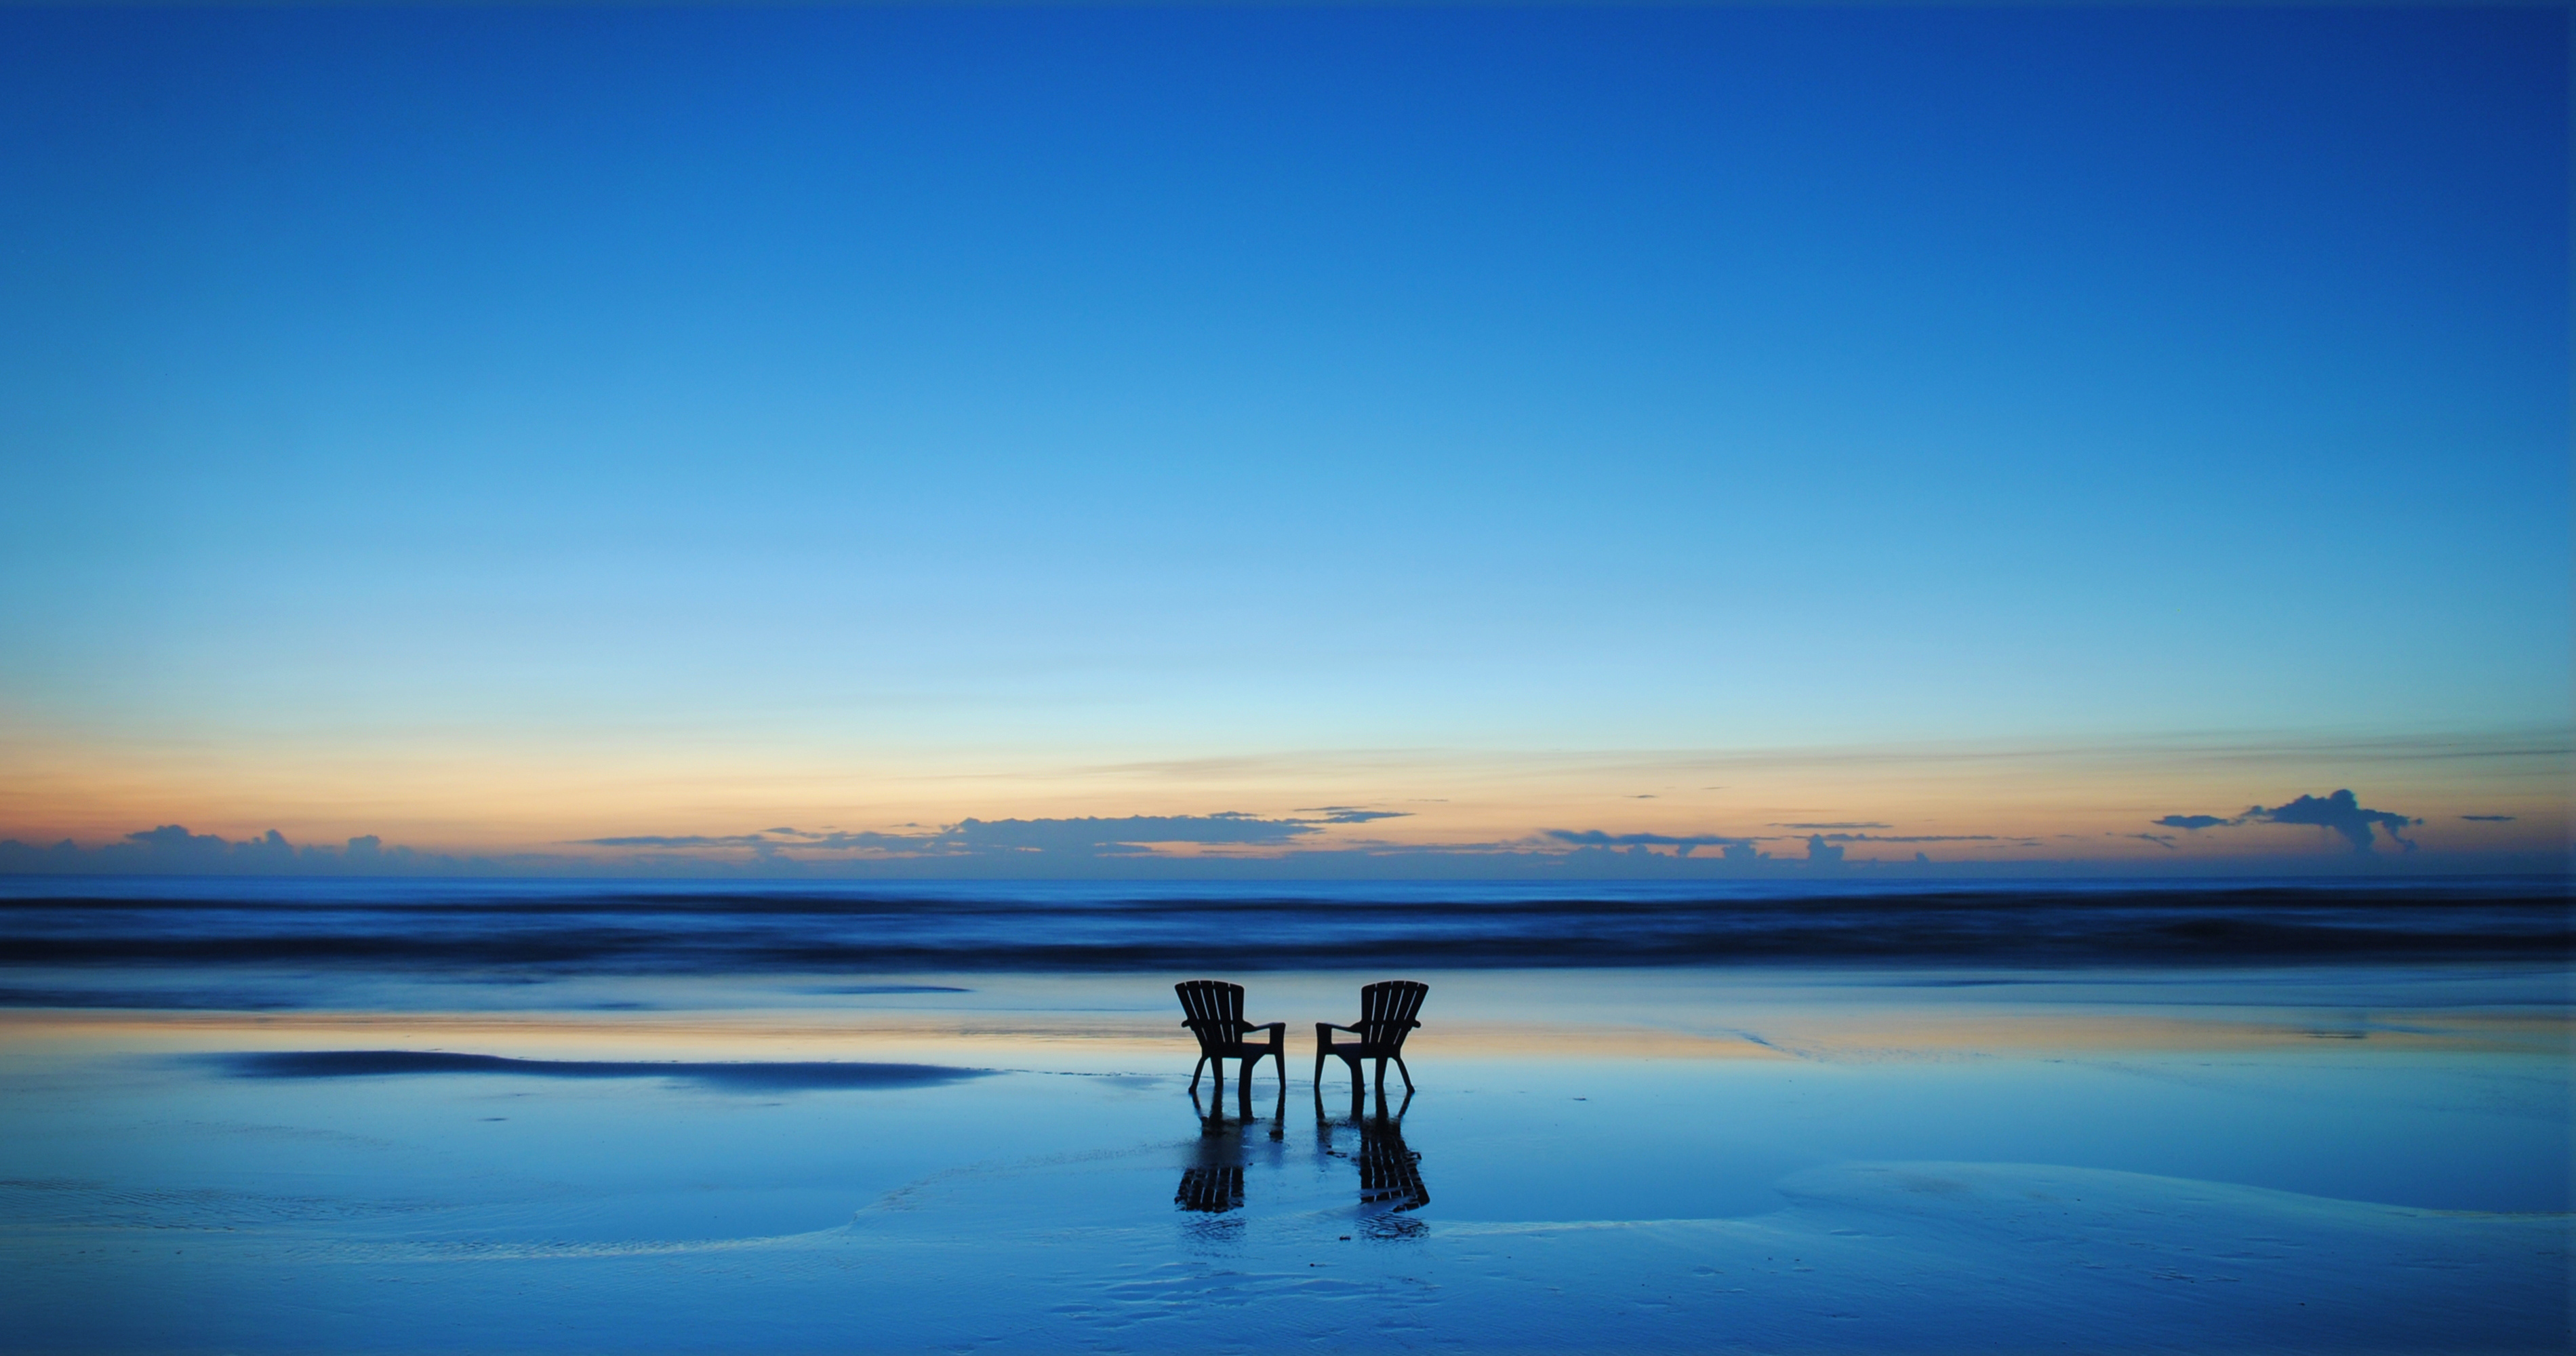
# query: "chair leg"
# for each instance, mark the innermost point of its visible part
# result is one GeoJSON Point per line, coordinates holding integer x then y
{"type": "Point", "coordinates": [1408, 1074]}
{"type": "Point", "coordinates": [1320, 1052]}
{"type": "Point", "coordinates": [1381, 1078]}
{"type": "Point", "coordinates": [1194, 1074]}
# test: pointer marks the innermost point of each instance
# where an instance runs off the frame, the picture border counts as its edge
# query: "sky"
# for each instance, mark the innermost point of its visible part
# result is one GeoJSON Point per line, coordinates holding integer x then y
{"type": "Point", "coordinates": [645, 438]}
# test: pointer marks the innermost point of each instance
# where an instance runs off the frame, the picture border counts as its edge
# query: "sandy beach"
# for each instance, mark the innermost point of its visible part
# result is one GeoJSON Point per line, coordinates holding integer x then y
{"type": "Point", "coordinates": [1643, 1159]}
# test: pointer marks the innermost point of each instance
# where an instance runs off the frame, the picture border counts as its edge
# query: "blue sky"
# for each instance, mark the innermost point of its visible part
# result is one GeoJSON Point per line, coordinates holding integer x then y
{"type": "Point", "coordinates": [512, 427]}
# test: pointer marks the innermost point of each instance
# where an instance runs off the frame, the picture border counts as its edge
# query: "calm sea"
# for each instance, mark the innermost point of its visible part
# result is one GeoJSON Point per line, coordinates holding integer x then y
{"type": "Point", "coordinates": [59, 925]}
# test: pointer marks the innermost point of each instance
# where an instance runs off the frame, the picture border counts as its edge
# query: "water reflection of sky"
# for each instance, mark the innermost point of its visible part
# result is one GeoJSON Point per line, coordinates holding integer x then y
{"type": "Point", "coordinates": [1054, 1107]}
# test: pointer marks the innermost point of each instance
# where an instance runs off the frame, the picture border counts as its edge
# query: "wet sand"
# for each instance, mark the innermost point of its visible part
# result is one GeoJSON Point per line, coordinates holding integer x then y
{"type": "Point", "coordinates": [2327, 1159]}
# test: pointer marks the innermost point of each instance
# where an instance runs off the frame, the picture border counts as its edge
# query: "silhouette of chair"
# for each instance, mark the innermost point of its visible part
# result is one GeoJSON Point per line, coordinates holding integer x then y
{"type": "Point", "coordinates": [1386, 1018]}
{"type": "Point", "coordinates": [1213, 1011]}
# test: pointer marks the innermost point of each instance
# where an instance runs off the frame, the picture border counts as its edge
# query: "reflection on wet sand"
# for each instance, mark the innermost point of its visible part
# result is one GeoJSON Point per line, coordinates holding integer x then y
{"type": "Point", "coordinates": [1390, 1171]}
{"type": "Point", "coordinates": [1368, 1137]}
{"type": "Point", "coordinates": [1213, 1182]}
{"type": "Point", "coordinates": [1214, 1189]}
{"type": "Point", "coordinates": [1390, 1174]}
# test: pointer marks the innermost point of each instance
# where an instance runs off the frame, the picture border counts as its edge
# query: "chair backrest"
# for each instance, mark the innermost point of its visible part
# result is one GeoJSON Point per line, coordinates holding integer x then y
{"type": "Point", "coordinates": [1213, 1011]}
{"type": "Point", "coordinates": [1387, 1010]}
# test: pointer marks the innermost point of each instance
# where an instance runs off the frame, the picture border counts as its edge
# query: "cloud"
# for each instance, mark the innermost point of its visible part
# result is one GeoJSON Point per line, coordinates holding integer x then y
{"type": "Point", "coordinates": [1350, 814]}
{"type": "Point", "coordinates": [1683, 842]}
{"type": "Point", "coordinates": [1294, 843]}
{"type": "Point", "coordinates": [2341, 812]}
{"type": "Point", "coordinates": [1853, 825]}
{"type": "Point", "coordinates": [676, 840]}
{"type": "Point", "coordinates": [170, 849]}
{"type": "Point", "coordinates": [1907, 837]}
{"type": "Point", "coordinates": [862, 842]}
{"type": "Point", "coordinates": [765, 840]}
{"type": "Point", "coordinates": [1129, 834]}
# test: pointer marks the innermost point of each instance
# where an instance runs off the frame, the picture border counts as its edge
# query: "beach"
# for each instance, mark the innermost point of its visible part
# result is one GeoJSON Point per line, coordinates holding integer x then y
{"type": "Point", "coordinates": [2344, 1157]}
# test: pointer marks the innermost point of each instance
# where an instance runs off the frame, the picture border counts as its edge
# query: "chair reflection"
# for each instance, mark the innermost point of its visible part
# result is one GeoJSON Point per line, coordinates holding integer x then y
{"type": "Point", "coordinates": [1390, 1174]}
{"type": "Point", "coordinates": [1214, 1183]}
{"type": "Point", "coordinates": [1212, 1190]}
{"type": "Point", "coordinates": [1391, 1182]}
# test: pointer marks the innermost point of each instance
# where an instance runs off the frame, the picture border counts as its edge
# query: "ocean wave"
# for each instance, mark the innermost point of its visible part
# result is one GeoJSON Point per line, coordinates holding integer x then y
{"type": "Point", "coordinates": [621, 928]}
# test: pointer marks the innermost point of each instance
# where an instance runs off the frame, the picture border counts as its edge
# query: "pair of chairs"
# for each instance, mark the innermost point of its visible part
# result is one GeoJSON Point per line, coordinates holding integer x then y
{"type": "Point", "coordinates": [1213, 1011]}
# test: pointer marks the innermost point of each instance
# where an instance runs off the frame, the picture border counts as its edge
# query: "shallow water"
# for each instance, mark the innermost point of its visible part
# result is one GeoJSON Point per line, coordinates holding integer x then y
{"type": "Point", "coordinates": [2301, 1157]}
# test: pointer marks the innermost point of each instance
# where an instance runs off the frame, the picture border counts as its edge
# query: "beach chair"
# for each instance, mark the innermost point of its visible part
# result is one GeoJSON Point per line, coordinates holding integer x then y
{"type": "Point", "coordinates": [1213, 1011]}
{"type": "Point", "coordinates": [1386, 1018]}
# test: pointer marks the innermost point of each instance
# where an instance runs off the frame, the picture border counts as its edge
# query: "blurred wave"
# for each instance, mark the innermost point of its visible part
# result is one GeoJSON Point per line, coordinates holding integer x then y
{"type": "Point", "coordinates": [621, 927]}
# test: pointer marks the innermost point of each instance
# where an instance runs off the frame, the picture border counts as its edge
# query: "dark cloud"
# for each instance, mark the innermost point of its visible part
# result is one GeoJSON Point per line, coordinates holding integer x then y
{"type": "Point", "coordinates": [2341, 812]}
{"type": "Point", "coordinates": [969, 836]}
{"type": "Point", "coordinates": [1352, 814]}
{"type": "Point", "coordinates": [1907, 837]}
{"type": "Point", "coordinates": [171, 849]}
{"type": "Point", "coordinates": [1683, 842]}
{"type": "Point", "coordinates": [677, 840]}
{"type": "Point", "coordinates": [1855, 824]}
{"type": "Point", "coordinates": [765, 840]}
{"type": "Point", "coordinates": [862, 842]}
{"type": "Point", "coordinates": [971, 846]}
{"type": "Point", "coordinates": [1604, 838]}
{"type": "Point", "coordinates": [1128, 834]}
{"type": "Point", "coordinates": [2489, 819]}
